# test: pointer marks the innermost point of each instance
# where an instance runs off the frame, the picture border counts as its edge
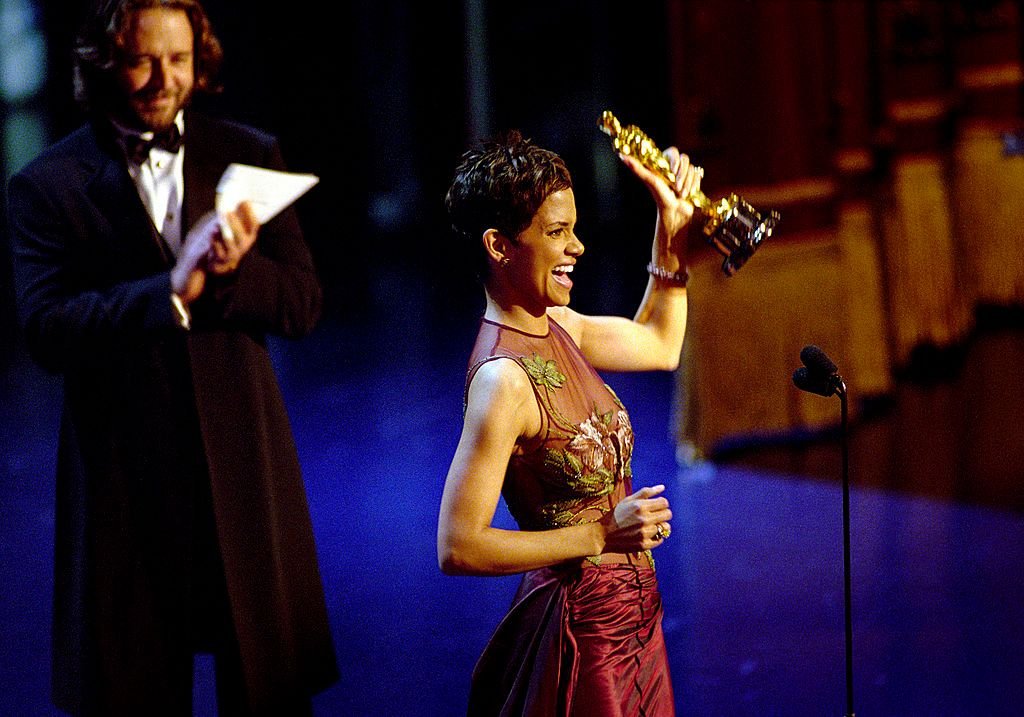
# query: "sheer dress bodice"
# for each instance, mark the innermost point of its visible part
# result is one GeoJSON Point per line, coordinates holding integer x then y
{"type": "Point", "coordinates": [577, 468]}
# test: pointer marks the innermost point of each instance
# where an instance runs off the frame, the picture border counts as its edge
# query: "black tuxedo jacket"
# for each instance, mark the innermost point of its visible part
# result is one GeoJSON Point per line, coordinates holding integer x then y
{"type": "Point", "coordinates": [153, 413]}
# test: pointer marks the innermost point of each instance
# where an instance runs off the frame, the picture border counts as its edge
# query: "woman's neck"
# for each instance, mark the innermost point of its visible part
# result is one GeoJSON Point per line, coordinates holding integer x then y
{"type": "Point", "coordinates": [518, 317]}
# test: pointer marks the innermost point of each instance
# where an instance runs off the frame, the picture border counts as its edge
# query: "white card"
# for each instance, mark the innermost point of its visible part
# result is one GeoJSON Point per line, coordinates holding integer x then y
{"type": "Point", "coordinates": [267, 190]}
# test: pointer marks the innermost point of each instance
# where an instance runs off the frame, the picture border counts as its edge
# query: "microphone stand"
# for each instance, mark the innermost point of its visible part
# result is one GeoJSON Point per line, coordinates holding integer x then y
{"type": "Point", "coordinates": [819, 376]}
{"type": "Point", "coordinates": [847, 592]}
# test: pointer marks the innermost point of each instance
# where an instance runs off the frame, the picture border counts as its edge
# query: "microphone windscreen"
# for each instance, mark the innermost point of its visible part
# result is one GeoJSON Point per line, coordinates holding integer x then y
{"type": "Point", "coordinates": [806, 381]}
{"type": "Point", "coordinates": [817, 362]}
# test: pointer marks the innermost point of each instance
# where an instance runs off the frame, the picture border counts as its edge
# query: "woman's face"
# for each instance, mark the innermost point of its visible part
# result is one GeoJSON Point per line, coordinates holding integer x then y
{"type": "Point", "coordinates": [542, 257]}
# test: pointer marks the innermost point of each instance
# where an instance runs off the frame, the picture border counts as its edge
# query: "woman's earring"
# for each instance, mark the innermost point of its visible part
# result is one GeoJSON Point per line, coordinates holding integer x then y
{"type": "Point", "coordinates": [504, 261]}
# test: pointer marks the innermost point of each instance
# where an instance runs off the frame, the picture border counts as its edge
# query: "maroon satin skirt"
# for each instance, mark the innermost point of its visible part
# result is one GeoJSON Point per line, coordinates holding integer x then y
{"type": "Point", "coordinates": [581, 642]}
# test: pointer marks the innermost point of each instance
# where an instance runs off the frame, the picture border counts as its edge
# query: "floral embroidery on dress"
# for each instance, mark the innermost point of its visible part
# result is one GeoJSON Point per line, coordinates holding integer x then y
{"type": "Point", "coordinates": [544, 373]}
{"type": "Point", "coordinates": [595, 460]}
{"type": "Point", "coordinates": [595, 457]}
{"type": "Point", "coordinates": [604, 441]}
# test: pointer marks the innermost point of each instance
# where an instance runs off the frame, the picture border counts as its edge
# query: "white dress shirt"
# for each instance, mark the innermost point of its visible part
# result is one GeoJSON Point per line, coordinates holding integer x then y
{"type": "Point", "coordinates": [160, 180]}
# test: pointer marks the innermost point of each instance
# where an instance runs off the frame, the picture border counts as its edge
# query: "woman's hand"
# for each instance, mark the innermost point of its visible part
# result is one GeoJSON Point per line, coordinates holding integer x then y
{"type": "Point", "coordinates": [675, 210]}
{"type": "Point", "coordinates": [634, 524]}
{"type": "Point", "coordinates": [652, 341]}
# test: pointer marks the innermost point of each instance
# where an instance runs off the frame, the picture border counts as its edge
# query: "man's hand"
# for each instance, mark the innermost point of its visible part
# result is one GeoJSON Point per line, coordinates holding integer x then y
{"type": "Point", "coordinates": [227, 250]}
{"type": "Point", "coordinates": [208, 250]}
{"type": "Point", "coordinates": [188, 277]}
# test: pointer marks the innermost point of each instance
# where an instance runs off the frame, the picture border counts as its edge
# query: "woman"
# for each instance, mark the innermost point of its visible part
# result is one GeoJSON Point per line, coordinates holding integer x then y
{"type": "Point", "coordinates": [583, 636]}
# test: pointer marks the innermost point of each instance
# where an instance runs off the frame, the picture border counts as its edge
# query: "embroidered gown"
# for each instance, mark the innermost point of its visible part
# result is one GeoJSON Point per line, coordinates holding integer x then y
{"type": "Point", "coordinates": [582, 638]}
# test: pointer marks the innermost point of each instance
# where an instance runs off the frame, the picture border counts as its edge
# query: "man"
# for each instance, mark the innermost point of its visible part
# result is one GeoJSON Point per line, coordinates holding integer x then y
{"type": "Point", "coordinates": [182, 523]}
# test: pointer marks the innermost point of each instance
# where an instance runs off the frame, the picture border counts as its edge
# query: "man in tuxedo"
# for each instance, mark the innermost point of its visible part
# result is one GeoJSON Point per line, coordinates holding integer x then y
{"type": "Point", "coordinates": [181, 518]}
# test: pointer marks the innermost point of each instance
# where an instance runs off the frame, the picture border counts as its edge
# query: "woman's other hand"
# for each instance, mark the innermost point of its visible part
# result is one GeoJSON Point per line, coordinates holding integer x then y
{"type": "Point", "coordinates": [639, 522]}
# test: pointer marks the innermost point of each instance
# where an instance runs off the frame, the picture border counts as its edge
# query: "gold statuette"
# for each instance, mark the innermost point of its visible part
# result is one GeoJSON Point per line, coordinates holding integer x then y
{"type": "Point", "coordinates": [733, 227]}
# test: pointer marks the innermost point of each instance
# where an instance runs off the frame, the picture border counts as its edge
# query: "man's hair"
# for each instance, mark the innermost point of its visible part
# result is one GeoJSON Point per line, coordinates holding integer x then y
{"type": "Point", "coordinates": [98, 46]}
{"type": "Point", "coordinates": [501, 185]}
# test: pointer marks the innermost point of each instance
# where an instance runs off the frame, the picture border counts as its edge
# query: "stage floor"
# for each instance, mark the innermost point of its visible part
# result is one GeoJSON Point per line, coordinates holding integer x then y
{"type": "Point", "coordinates": [751, 578]}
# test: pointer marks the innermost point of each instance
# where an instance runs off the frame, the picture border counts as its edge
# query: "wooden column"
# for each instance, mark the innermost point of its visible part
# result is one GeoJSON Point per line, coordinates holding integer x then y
{"type": "Point", "coordinates": [926, 297]}
{"type": "Point", "coordinates": [755, 86]}
{"type": "Point", "coordinates": [988, 165]}
{"type": "Point", "coordinates": [854, 165]}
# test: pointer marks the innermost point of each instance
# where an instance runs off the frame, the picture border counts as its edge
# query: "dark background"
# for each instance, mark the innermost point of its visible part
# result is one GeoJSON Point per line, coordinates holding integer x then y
{"type": "Point", "coordinates": [379, 98]}
{"type": "Point", "coordinates": [372, 97]}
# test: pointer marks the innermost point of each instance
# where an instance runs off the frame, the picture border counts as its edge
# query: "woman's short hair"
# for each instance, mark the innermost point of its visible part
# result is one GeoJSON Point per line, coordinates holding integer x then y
{"type": "Point", "coordinates": [97, 47]}
{"type": "Point", "coordinates": [501, 185]}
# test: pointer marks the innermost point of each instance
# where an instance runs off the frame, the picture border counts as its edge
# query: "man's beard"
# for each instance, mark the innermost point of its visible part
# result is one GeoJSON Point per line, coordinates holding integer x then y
{"type": "Point", "coordinates": [151, 118]}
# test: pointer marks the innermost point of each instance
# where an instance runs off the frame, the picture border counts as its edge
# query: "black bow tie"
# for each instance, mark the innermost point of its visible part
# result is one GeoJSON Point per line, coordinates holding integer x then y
{"type": "Point", "coordinates": [137, 148]}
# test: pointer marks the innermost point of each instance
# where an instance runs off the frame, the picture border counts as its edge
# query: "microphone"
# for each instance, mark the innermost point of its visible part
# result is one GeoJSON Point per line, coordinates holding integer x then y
{"type": "Point", "coordinates": [819, 375]}
{"type": "Point", "coordinates": [806, 381]}
{"type": "Point", "coordinates": [817, 362]}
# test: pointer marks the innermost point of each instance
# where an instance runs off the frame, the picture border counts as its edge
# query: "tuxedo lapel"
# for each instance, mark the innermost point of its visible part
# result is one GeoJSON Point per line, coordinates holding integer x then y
{"type": "Point", "coordinates": [203, 168]}
{"type": "Point", "coordinates": [116, 198]}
